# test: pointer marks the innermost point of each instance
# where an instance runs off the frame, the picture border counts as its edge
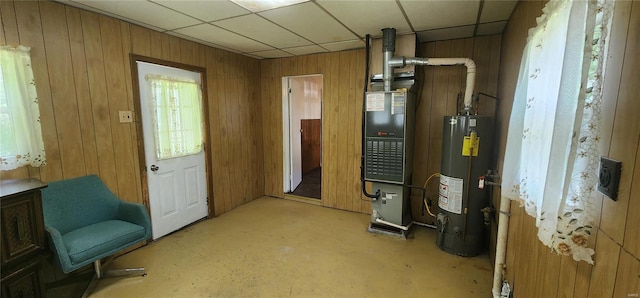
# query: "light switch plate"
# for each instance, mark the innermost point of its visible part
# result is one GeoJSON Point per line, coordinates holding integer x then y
{"type": "Point", "coordinates": [609, 177]}
{"type": "Point", "coordinates": [125, 116]}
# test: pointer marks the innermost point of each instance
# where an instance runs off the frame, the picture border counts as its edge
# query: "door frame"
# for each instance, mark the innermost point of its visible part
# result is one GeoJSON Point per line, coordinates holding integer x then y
{"type": "Point", "coordinates": [133, 58]}
{"type": "Point", "coordinates": [286, 128]}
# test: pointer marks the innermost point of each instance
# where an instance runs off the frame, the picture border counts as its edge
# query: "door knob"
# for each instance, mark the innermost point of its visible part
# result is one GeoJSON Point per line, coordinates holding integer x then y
{"type": "Point", "coordinates": [154, 168]}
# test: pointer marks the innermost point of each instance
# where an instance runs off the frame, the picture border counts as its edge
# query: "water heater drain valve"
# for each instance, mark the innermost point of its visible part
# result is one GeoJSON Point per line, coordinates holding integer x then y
{"type": "Point", "coordinates": [487, 212]}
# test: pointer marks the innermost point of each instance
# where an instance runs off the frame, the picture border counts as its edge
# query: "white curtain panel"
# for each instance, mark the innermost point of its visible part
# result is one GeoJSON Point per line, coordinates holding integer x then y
{"type": "Point", "coordinates": [177, 116]}
{"type": "Point", "coordinates": [20, 132]}
{"type": "Point", "coordinates": [551, 157]}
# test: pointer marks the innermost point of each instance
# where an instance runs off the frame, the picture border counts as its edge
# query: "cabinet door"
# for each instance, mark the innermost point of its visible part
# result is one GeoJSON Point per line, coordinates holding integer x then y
{"type": "Point", "coordinates": [24, 284]}
{"type": "Point", "coordinates": [22, 228]}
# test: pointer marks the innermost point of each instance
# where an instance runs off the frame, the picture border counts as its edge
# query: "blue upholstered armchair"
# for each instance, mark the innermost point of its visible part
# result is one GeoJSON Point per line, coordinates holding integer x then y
{"type": "Point", "coordinates": [86, 222]}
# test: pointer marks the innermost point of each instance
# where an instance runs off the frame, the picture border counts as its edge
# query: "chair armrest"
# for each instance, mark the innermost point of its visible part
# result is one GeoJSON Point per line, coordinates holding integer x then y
{"type": "Point", "coordinates": [56, 244]}
{"type": "Point", "coordinates": [135, 213]}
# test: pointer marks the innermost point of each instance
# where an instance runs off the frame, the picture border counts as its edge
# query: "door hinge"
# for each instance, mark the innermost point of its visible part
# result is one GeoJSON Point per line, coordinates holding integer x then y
{"type": "Point", "coordinates": [289, 90]}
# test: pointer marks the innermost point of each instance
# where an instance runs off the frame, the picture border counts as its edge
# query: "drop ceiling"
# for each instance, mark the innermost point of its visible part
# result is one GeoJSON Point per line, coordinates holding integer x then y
{"type": "Point", "coordinates": [263, 29]}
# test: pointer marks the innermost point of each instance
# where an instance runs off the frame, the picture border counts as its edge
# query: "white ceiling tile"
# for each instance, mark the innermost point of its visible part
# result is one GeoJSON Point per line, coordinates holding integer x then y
{"type": "Point", "coordinates": [89, 8]}
{"type": "Point", "coordinates": [262, 5]}
{"type": "Point", "coordinates": [205, 10]}
{"type": "Point", "coordinates": [491, 28]}
{"type": "Point", "coordinates": [497, 10]}
{"type": "Point", "coordinates": [144, 12]}
{"type": "Point", "coordinates": [309, 21]}
{"type": "Point", "coordinates": [367, 17]}
{"type": "Point", "coordinates": [215, 35]}
{"type": "Point", "coordinates": [271, 54]}
{"type": "Point", "coordinates": [446, 33]}
{"type": "Point", "coordinates": [343, 45]}
{"type": "Point", "coordinates": [257, 28]}
{"type": "Point", "coordinates": [427, 15]}
{"type": "Point", "coordinates": [204, 42]}
{"type": "Point", "coordinates": [312, 49]}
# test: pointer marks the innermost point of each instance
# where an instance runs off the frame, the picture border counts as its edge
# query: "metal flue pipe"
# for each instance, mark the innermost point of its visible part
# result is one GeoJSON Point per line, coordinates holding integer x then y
{"type": "Point", "coordinates": [388, 49]}
{"type": "Point", "coordinates": [389, 62]}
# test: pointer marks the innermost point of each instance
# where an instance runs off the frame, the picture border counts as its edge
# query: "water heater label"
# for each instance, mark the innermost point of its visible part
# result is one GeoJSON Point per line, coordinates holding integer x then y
{"type": "Point", "coordinates": [375, 102]}
{"type": "Point", "coordinates": [467, 144]}
{"type": "Point", "coordinates": [451, 194]}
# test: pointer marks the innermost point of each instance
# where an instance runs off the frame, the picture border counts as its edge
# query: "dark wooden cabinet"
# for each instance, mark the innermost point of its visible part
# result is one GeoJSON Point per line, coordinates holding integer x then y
{"type": "Point", "coordinates": [22, 244]}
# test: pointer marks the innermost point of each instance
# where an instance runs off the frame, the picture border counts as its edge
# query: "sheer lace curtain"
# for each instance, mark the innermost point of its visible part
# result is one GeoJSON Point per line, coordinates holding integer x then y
{"type": "Point", "coordinates": [551, 157]}
{"type": "Point", "coordinates": [20, 132]}
{"type": "Point", "coordinates": [177, 116]}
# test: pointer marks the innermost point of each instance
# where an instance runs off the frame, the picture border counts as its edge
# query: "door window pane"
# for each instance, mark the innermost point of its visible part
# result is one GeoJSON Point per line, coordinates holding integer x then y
{"type": "Point", "coordinates": [177, 116]}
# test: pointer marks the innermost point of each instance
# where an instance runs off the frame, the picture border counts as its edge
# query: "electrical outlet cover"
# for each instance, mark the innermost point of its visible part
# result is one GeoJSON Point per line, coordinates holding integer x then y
{"type": "Point", "coordinates": [609, 177]}
{"type": "Point", "coordinates": [125, 116]}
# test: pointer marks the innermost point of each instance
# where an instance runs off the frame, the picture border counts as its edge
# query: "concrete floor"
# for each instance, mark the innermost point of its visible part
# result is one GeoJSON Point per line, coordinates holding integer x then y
{"type": "Point", "coordinates": [275, 247]}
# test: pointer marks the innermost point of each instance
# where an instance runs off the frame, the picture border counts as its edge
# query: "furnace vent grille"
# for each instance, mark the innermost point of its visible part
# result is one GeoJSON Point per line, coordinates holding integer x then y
{"type": "Point", "coordinates": [385, 160]}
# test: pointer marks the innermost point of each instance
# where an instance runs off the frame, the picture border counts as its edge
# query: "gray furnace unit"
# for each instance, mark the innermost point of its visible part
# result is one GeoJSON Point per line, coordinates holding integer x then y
{"type": "Point", "coordinates": [389, 126]}
{"type": "Point", "coordinates": [389, 134]}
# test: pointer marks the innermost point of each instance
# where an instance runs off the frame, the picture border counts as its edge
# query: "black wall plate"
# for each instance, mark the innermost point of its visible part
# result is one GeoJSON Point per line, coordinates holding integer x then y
{"type": "Point", "coordinates": [609, 177]}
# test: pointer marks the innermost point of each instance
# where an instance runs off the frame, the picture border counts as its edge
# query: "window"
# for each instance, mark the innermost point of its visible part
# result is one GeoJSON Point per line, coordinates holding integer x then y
{"type": "Point", "coordinates": [177, 116]}
{"type": "Point", "coordinates": [551, 157]}
{"type": "Point", "coordinates": [20, 133]}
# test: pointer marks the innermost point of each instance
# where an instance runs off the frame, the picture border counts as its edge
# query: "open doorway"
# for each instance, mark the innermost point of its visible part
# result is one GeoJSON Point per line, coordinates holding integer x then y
{"type": "Point", "coordinates": [302, 131]}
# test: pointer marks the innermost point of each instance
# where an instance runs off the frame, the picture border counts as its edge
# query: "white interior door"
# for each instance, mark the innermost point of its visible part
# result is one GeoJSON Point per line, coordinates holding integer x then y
{"type": "Point", "coordinates": [177, 186]}
{"type": "Point", "coordinates": [296, 113]}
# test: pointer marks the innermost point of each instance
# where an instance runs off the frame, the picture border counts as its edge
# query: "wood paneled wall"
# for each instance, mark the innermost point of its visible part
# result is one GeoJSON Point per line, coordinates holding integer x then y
{"type": "Point", "coordinates": [343, 75]}
{"type": "Point", "coordinates": [343, 83]}
{"type": "Point", "coordinates": [532, 269]}
{"type": "Point", "coordinates": [82, 71]}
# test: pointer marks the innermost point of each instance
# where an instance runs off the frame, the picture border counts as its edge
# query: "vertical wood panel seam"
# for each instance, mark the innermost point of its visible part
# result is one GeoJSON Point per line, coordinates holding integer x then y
{"type": "Point", "coordinates": [615, 278]}
{"type": "Point", "coordinates": [630, 188]}
{"type": "Point", "coordinates": [75, 91]}
{"type": "Point", "coordinates": [46, 59]}
{"type": "Point", "coordinates": [4, 33]}
{"type": "Point", "coordinates": [90, 100]}
{"type": "Point", "coordinates": [615, 107]}
{"type": "Point", "coordinates": [111, 125]}
{"type": "Point", "coordinates": [575, 284]}
{"type": "Point", "coordinates": [624, 55]}
{"type": "Point", "coordinates": [104, 69]}
{"type": "Point", "coordinates": [638, 145]}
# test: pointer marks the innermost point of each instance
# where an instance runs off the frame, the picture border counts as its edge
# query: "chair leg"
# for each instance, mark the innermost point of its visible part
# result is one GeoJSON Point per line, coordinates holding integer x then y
{"type": "Point", "coordinates": [98, 268]}
{"type": "Point", "coordinates": [117, 272]}
{"type": "Point", "coordinates": [125, 272]}
{"type": "Point", "coordinates": [91, 286]}
{"type": "Point", "coordinates": [99, 274]}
